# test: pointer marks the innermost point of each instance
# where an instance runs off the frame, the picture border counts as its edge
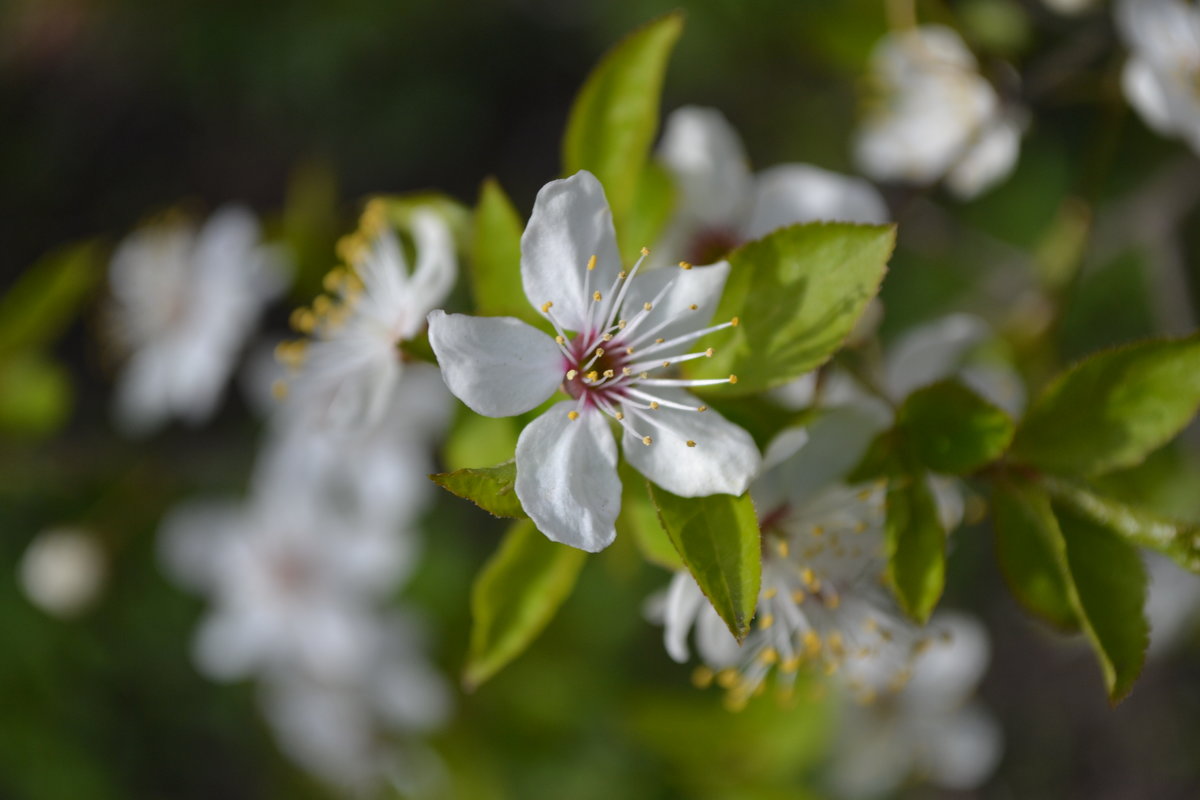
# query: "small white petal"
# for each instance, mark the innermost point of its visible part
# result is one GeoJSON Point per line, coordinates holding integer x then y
{"type": "Point", "coordinates": [705, 155]}
{"type": "Point", "coordinates": [714, 643]}
{"type": "Point", "coordinates": [988, 161]}
{"type": "Point", "coordinates": [722, 460]}
{"type": "Point", "coordinates": [931, 352]}
{"type": "Point", "coordinates": [792, 193]}
{"type": "Point", "coordinates": [567, 477]}
{"type": "Point", "coordinates": [948, 497]}
{"type": "Point", "coordinates": [436, 268]}
{"type": "Point", "coordinates": [962, 751]}
{"type": "Point", "coordinates": [570, 223]}
{"type": "Point", "coordinates": [946, 673]}
{"type": "Point", "coordinates": [684, 601]}
{"type": "Point", "coordinates": [498, 366]}
{"type": "Point", "coordinates": [1145, 92]}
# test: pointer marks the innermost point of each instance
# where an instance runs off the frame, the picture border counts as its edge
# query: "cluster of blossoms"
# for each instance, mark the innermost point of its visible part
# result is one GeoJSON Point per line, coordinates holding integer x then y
{"type": "Point", "coordinates": [1162, 76]}
{"type": "Point", "coordinates": [299, 573]}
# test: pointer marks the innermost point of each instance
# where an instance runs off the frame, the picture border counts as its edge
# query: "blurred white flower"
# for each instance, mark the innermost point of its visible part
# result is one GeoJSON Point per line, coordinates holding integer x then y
{"type": "Point", "coordinates": [62, 571]}
{"type": "Point", "coordinates": [346, 372]}
{"type": "Point", "coordinates": [720, 204]}
{"type": "Point", "coordinates": [628, 329]}
{"type": "Point", "coordinates": [930, 728]}
{"type": "Point", "coordinates": [347, 731]}
{"type": "Point", "coordinates": [292, 582]}
{"type": "Point", "coordinates": [1162, 76]}
{"type": "Point", "coordinates": [1070, 7]}
{"type": "Point", "coordinates": [1172, 602]}
{"type": "Point", "coordinates": [184, 303]}
{"type": "Point", "coordinates": [934, 117]}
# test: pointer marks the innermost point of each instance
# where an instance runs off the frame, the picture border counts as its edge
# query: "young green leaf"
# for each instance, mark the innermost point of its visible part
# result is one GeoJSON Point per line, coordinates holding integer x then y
{"type": "Point", "coordinates": [615, 115]}
{"type": "Point", "coordinates": [1032, 554]}
{"type": "Point", "coordinates": [515, 596]}
{"type": "Point", "coordinates": [1178, 540]}
{"type": "Point", "coordinates": [491, 488]}
{"type": "Point", "coordinates": [952, 430]}
{"type": "Point", "coordinates": [35, 396]}
{"type": "Point", "coordinates": [718, 539]}
{"type": "Point", "coordinates": [797, 294]}
{"type": "Point", "coordinates": [1112, 409]}
{"type": "Point", "coordinates": [495, 258]}
{"type": "Point", "coordinates": [46, 297]}
{"type": "Point", "coordinates": [1110, 583]}
{"type": "Point", "coordinates": [653, 203]}
{"type": "Point", "coordinates": [916, 545]}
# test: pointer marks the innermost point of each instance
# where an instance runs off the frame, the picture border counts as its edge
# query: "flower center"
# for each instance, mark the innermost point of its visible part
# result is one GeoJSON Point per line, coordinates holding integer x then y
{"type": "Point", "coordinates": [620, 359]}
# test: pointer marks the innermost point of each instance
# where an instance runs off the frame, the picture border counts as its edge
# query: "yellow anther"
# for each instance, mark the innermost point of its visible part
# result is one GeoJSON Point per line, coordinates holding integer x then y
{"type": "Point", "coordinates": [628, 351]}
{"type": "Point", "coordinates": [690, 443]}
{"type": "Point", "coordinates": [643, 375]}
{"type": "Point", "coordinates": [702, 677]}
{"type": "Point", "coordinates": [709, 352]}
{"type": "Point", "coordinates": [646, 440]}
{"type": "Point", "coordinates": [860, 527]}
{"type": "Point", "coordinates": [547, 306]}
{"type": "Point", "coordinates": [591, 263]}
{"type": "Point", "coordinates": [608, 373]}
{"type": "Point", "coordinates": [645, 251]}
{"type": "Point", "coordinates": [733, 378]}
{"type": "Point", "coordinates": [647, 306]}
{"type": "Point", "coordinates": [571, 373]}
{"type": "Point", "coordinates": [599, 352]}
{"type": "Point", "coordinates": [303, 320]}
{"type": "Point", "coordinates": [621, 324]}
{"type": "Point", "coordinates": [735, 322]}
{"type": "Point", "coordinates": [572, 415]}
{"type": "Point", "coordinates": [322, 304]}
{"type": "Point", "coordinates": [770, 593]}
{"type": "Point", "coordinates": [659, 341]}
{"type": "Point", "coordinates": [596, 296]}
{"type": "Point", "coordinates": [666, 363]}
{"type": "Point", "coordinates": [831, 667]}
{"type": "Point", "coordinates": [812, 643]}
{"type": "Point", "coordinates": [626, 370]}
{"type": "Point", "coordinates": [693, 306]}
{"type": "Point", "coordinates": [808, 576]}
{"type": "Point", "coordinates": [769, 656]}
{"type": "Point", "coordinates": [767, 621]}
{"type": "Point", "coordinates": [621, 275]}
{"type": "Point", "coordinates": [593, 376]}
{"type": "Point", "coordinates": [606, 337]}
{"type": "Point", "coordinates": [782, 547]}
{"type": "Point", "coordinates": [791, 665]}
{"type": "Point", "coordinates": [620, 416]}
{"type": "Point", "coordinates": [560, 340]}
{"type": "Point", "coordinates": [835, 643]}
{"type": "Point", "coordinates": [702, 408]}
{"type": "Point", "coordinates": [727, 678]}
{"type": "Point", "coordinates": [653, 405]}
{"type": "Point", "coordinates": [333, 279]}
{"type": "Point", "coordinates": [684, 265]}
{"type": "Point", "coordinates": [818, 530]}
{"type": "Point", "coordinates": [279, 390]}
{"type": "Point", "coordinates": [798, 596]}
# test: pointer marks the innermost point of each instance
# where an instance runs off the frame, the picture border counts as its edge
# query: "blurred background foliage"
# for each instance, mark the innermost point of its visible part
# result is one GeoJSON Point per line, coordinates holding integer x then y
{"type": "Point", "coordinates": [116, 110]}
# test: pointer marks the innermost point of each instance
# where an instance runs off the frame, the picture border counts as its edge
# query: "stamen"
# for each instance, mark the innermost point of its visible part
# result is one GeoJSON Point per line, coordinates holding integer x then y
{"type": "Point", "coordinates": [591, 263]}
{"type": "Point", "coordinates": [690, 443]}
{"type": "Point", "coordinates": [684, 265]}
{"type": "Point", "coordinates": [572, 415]}
{"type": "Point", "coordinates": [687, 382]}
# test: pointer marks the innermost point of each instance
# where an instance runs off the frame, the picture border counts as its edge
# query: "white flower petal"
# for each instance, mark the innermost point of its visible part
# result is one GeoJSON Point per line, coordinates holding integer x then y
{"type": "Point", "coordinates": [961, 751]}
{"type": "Point", "coordinates": [567, 477]}
{"type": "Point", "coordinates": [570, 223]}
{"type": "Point", "coordinates": [714, 643]}
{"type": "Point", "coordinates": [436, 268]}
{"type": "Point", "coordinates": [698, 286]}
{"type": "Point", "coordinates": [989, 160]}
{"type": "Point", "coordinates": [946, 673]}
{"type": "Point", "coordinates": [683, 603]}
{"type": "Point", "coordinates": [948, 497]}
{"type": "Point", "coordinates": [931, 352]}
{"type": "Point", "coordinates": [792, 193]}
{"type": "Point", "coordinates": [498, 366]}
{"type": "Point", "coordinates": [1146, 93]}
{"type": "Point", "coordinates": [722, 458]}
{"type": "Point", "coordinates": [705, 155]}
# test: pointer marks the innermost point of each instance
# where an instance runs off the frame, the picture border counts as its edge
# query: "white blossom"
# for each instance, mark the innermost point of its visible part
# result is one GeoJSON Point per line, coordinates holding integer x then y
{"type": "Point", "coordinates": [184, 303]}
{"type": "Point", "coordinates": [1161, 79]}
{"type": "Point", "coordinates": [935, 117]}
{"type": "Point", "coordinates": [928, 728]}
{"type": "Point", "coordinates": [721, 204]}
{"type": "Point", "coordinates": [617, 332]}
{"type": "Point", "coordinates": [63, 570]}
{"type": "Point", "coordinates": [347, 371]}
{"type": "Point", "coordinates": [1172, 602]}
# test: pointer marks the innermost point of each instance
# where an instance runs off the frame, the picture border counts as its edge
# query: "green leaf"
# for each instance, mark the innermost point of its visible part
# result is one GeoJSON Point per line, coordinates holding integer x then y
{"type": "Point", "coordinates": [35, 396]}
{"type": "Point", "coordinates": [476, 439]}
{"type": "Point", "coordinates": [1032, 554]}
{"type": "Point", "coordinates": [797, 294]}
{"type": "Point", "coordinates": [639, 521]}
{"type": "Point", "coordinates": [46, 297]}
{"type": "Point", "coordinates": [881, 459]}
{"type": "Point", "coordinates": [1110, 583]}
{"type": "Point", "coordinates": [653, 203]}
{"type": "Point", "coordinates": [1138, 526]}
{"type": "Point", "coordinates": [615, 116]}
{"type": "Point", "coordinates": [1113, 409]}
{"type": "Point", "coordinates": [916, 546]}
{"type": "Point", "coordinates": [515, 596]}
{"type": "Point", "coordinates": [495, 258]}
{"type": "Point", "coordinates": [952, 430]}
{"type": "Point", "coordinates": [718, 539]}
{"type": "Point", "coordinates": [491, 488]}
